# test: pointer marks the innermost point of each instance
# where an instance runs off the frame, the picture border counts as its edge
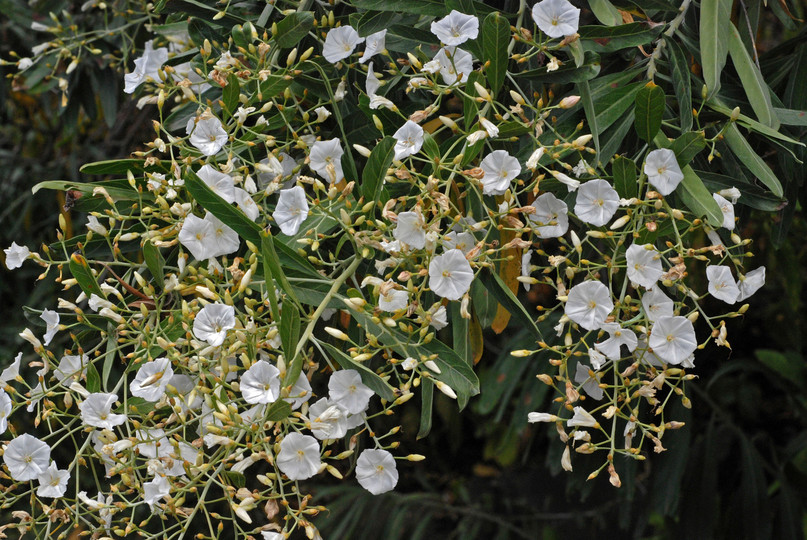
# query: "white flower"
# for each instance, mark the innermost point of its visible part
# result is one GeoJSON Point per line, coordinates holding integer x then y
{"type": "Point", "coordinates": [663, 171]}
{"type": "Point", "coordinates": [24, 63]}
{"type": "Point", "coordinates": [556, 18]}
{"type": "Point", "coordinates": [242, 113]}
{"type": "Point", "coordinates": [26, 457]}
{"type": "Point", "coordinates": [95, 226]}
{"type": "Point", "coordinates": [96, 411]}
{"type": "Point", "coordinates": [16, 255]}
{"type": "Point", "coordinates": [728, 211]}
{"type": "Point", "coordinates": [12, 372]}
{"type": "Point", "coordinates": [212, 323]}
{"type": "Point", "coordinates": [535, 157]}
{"type": "Point", "coordinates": [657, 304]}
{"type": "Point", "coordinates": [410, 230]}
{"type": "Point", "coordinates": [644, 265]}
{"type": "Point", "coordinates": [454, 64]}
{"type": "Point", "coordinates": [261, 383]}
{"type": "Point", "coordinates": [596, 203]}
{"type": "Point", "coordinates": [325, 159]}
{"type": "Point", "coordinates": [52, 482]}
{"type": "Point", "coordinates": [597, 359]}
{"type": "Point", "coordinates": [456, 28]}
{"type": "Point", "coordinates": [207, 133]}
{"type": "Point", "coordinates": [222, 240]}
{"type": "Point", "coordinates": [270, 535]}
{"type": "Point", "coordinates": [476, 136]}
{"type": "Point", "coordinates": [244, 201]}
{"type": "Point", "coordinates": [439, 318]}
{"type": "Point", "coordinates": [618, 336]}
{"type": "Point", "coordinates": [71, 367]}
{"type": "Point", "coordinates": [376, 471]}
{"type": "Point", "coordinates": [581, 418]}
{"type": "Point", "coordinates": [298, 458]}
{"type": "Point", "coordinates": [408, 364]}
{"type": "Point", "coordinates": [269, 169]}
{"type": "Point", "coordinates": [291, 210]}
{"type": "Point", "coordinates": [5, 410]}
{"type": "Point", "coordinates": [152, 379]}
{"type": "Point", "coordinates": [589, 304]}
{"type": "Point", "coordinates": [732, 194]}
{"type": "Point", "coordinates": [155, 490]}
{"type": "Point", "coordinates": [393, 300]}
{"type": "Point", "coordinates": [51, 319]}
{"type": "Point", "coordinates": [152, 443]}
{"type": "Point", "coordinates": [541, 417]}
{"type": "Point", "coordinates": [570, 183]}
{"type": "Point", "coordinates": [222, 184]}
{"type": "Point", "coordinates": [550, 216]}
{"type": "Point", "coordinates": [339, 93]}
{"type": "Point", "coordinates": [328, 420]}
{"type": "Point", "coordinates": [526, 267]}
{"type": "Point", "coordinates": [375, 44]}
{"type": "Point", "coordinates": [340, 43]}
{"type": "Point", "coordinates": [450, 275]}
{"type": "Point", "coordinates": [581, 168]}
{"type": "Point", "coordinates": [408, 140]}
{"type": "Point", "coordinates": [226, 60]}
{"type": "Point", "coordinates": [749, 284]}
{"type": "Point", "coordinates": [590, 384]}
{"type": "Point", "coordinates": [500, 169]}
{"type": "Point", "coordinates": [97, 303]}
{"type": "Point", "coordinates": [721, 283]}
{"type": "Point", "coordinates": [322, 114]}
{"type": "Point", "coordinates": [300, 392]}
{"type": "Point", "coordinates": [146, 67]}
{"type": "Point", "coordinates": [371, 84]}
{"type": "Point", "coordinates": [196, 235]}
{"type": "Point", "coordinates": [673, 339]}
{"type": "Point", "coordinates": [346, 389]}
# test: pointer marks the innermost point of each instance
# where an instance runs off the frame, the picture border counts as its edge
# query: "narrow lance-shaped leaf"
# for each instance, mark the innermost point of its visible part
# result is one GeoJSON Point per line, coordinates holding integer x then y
{"type": "Point", "coordinates": [605, 12]}
{"type": "Point", "coordinates": [293, 28]}
{"type": "Point", "coordinates": [84, 276]}
{"type": "Point", "coordinates": [697, 198]}
{"type": "Point", "coordinates": [495, 39]}
{"type": "Point", "coordinates": [754, 84]}
{"type": "Point", "coordinates": [591, 115]}
{"type": "Point", "coordinates": [372, 177]}
{"type": "Point", "coordinates": [154, 261]}
{"type": "Point", "coordinates": [679, 68]}
{"type": "Point", "coordinates": [625, 177]}
{"type": "Point", "coordinates": [714, 37]}
{"type": "Point", "coordinates": [426, 400]}
{"type": "Point", "coordinates": [649, 111]}
{"type": "Point", "coordinates": [750, 159]}
{"type": "Point", "coordinates": [687, 146]}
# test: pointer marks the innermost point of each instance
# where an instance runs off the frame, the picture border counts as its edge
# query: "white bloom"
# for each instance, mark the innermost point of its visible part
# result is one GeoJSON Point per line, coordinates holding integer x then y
{"type": "Point", "coordinates": [291, 210]}
{"type": "Point", "coordinates": [300, 392]}
{"type": "Point", "coordinates": [663, 171]}
{"type": "Point", "coordinates": [597, 359]}
{"type": "Point", "coordinates": [408, 140]}
{"type": "Point", "coordinates": [270, 535]}
{"type": "Point", "coordinates": [490, 128]}
{"type": "Point", "coordinates": [570, 183]}
{"type": "Point", "coordinates": [673, 339]}
{"type": "Point", "coordinates": [371, 84]}
{"type": "Point", "coordinates": [52, 482]}
{"type": "Point", "coordinates": [456, 28]}
{"type": "Point", "coordinates": [500, 169]}
{"type": "Point", "coordinates": [463, 241]}
{"type": "Point", "coordinates": [540, 417]}
{"type": "Point", "coordinates": [71, 366]}
{"type": "Point", "coordinates": [589, 304]}
{"type": "Point", "coordinates": [26, 457]}
{"type": "Point", "coordinates": [581, 418]}
{"type": "Point", "coordinates": [721, 283]}
{"type": "Point", "coordinates": [97, 303]}
{"type": "Point", "coordinates": [226, 60]}
{"type": "Point", "coordinates": [581, 168]}
{"type": "Point", "coordinates": [222, 184]}
{"type": "Point", "coordinates": [476, 136]}
{"type": "Point", "coordinates": [261, 383]}
{"type": "Point", "coordinates": [196, 235]}
{"type": "Point", "coordinates": [556, 18]}
{"type": "Point", "coordinates": [376, 471]}
{"type": "Point", "coordinates": [155, 490]}
{"type": "Point", "coordinates": [346, 389]}
{"type": "Point", "coordinates": [207, 133]}
{"type": "Point", "coordinates": [596, 203]}
{"type": "Point", "coordinates": [5, 410]}
{"type": "Point", "coordinates": [244, 201]}
{"type": "Point", "coordinates": [242, 113]}
{"type": "Point", "coordinates": [299, 457]}
{"type": "Point", "coordinates": [590, 384]}
{"type": "Point", "coordinates": [16, 255]}
{"type": "Point", "coordinates": [454, 64]}
{"type": "Point", "coordinates": [732, 194]}
{"type": "Point", "coordinates": [550, 216]}
{"type": "Point", "coordinates": [212, 323]}
{"type": "Point", "coordinates": [618, 336]}
{"type": "Point", "coordinates": [450, 275]}
{"type": "Point", "coordinates": [408, 364]}
{"type": "Point", "coordinates": [152, 443]}
{"type": "Point", "coordinates": [535, 157]}
{"type": "Point", "coordinates": [328, 420]}
{"type": "Point", "coordinates": [24, 63]}
{"type": "Point", "coordinates": [96, 411]}
{"type": "Point", "coordinates": [375, 44]}
{"type": "Point", "coordinates": [146, 67]}
{"type": "Point", "coordinates": [410, 230]}
{"type": "Point", "coordinates": [394, 300]}
{"type": "Point", "coordinates": [439, 318]}
{"type": "Point", "coordinates": [322, 114]}
{"type": "Point", "coordinates": [95, 226]}
{"type": "Point", "coordinates": [657, 304]}
{"type": "Point", "coordinates": [340, 43]}
{"type": "Point", "coordinates": [728, 211]}
{"type": "Point", "coordinates": [526, 266]}
{"type": "Point", "coordinates": [223, 240]}
{"type": "Point", "coordinates": [152, 379]}
{"type": "Point", "coordinates": [12, 372]}
{"type": "Point", "coordinates": [339, 93]}
{"type": "Point", "coordinates": [644, 265]}
{"type": "Point", "coordinates": [749, 284]}
{"type": "Point", "coordinates": [269, 169]}
{"type": "Point", "coordinates": [326, 160]}
{"type": "Point", "coordinates": [51, 319]}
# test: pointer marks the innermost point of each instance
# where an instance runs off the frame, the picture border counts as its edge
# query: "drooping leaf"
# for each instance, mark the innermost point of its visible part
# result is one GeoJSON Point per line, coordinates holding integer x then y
{"type": "Point", "coordinates": [229, 94]}
{"type": "Point", "coordinates": [84, 276]}
{"type": "Point", "coordinates": [753, 83]}
{"type": "Point", "coordinates": [155, 262]}
{"type": "Point", "coordinates": [426, 400]}
{"type": "Point", "coordinates": [679, 72]}
{"type": "Point", "coordinates": [697, 198]}
{"type": "Point", "coordinates": [372, 177]}
{"type": "Point", "coordinates": [293, 28]}
{"type": "Point", "coordinates": [687, 146]}
{"type": "Point", "coordinates": [626, 180]}
{"type": "Point", "coordinates": [751, 159]}
{"type": "Point", "coordinates": [278, 411]}
{"type": "Point", "coordinates": [591, 114]}
{"type": "Point", "coordinates": [605, 12]}
{"type": "Point", "coordinates": [495, 36]}
{"type": "Point", "coordinates": [714, 38]}
{"type": "Point", "coordinates": [421, 7]}
{"type": "Point", "coordinates": [494, 284]}
{"type": "Point", "coordinates": [649, 111]}
{"type": "Point", "coordinates": [602, 39]}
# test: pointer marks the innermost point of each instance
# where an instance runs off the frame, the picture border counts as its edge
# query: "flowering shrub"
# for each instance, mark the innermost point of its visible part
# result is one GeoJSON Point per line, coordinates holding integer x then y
{"type": "Point", "coordinates": [331, 200]}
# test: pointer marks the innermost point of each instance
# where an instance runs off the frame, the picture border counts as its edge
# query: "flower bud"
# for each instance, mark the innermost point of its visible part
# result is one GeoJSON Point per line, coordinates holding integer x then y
{"type": "Point", "coordinates": [568, 102]}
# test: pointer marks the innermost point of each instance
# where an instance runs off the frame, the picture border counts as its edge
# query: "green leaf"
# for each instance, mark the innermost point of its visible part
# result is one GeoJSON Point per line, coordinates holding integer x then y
{"type": "Point", "coordinates": [470, 107]}
{"type": "Point", "coordinates": [679, 72]}
{"type": "Point", "coordinates": [115, 190]}
{"type": "Point", "coordinates": [434, 8]}
{"type": "Point", "coordinates": [750, 123]}
{"type": "Point", "coordinates": [372, 177]}
{"type": "Point", "coordinates": [460, 334]}
{"type": "Point", "coordinates": [753, 83]}
{"type": "Point", "coordinates": [790, 117]}
{"type": "Point", "coordinates": [230, 93]}
{"type": "Point", "coordinates": [612, 105]}
{"type": "Point", "coordinates": [273, 86]}
{"type": "Point", "coordinates": [278, 411]}
{"type": "Point", "coordinates": [750, 159]}
{"type": "Point", "coordinates": [226, 212]}
{"type": "Point", "coordinates": [494, 284]}
{"type": "Point", "coordinates": [93, 379]}
{"type": "Point", "coordinates": [426, 400]}
{"type": "Point", "coordinates": [567, 73]}
{"type": "Point", "coordinates": [687, 146]}
{"type": "Point", "coordinates": [289, 329]}
{"type": "Point", "coordinates": [789, 366]}
{"type": "Point", "coordinates": [84, 276]}
{"type": "Point", "coordinates": [271, 267]}
{"type": "Point", "coordinates": [605, 12]}
{"type": "Point", "coordinates": [649, 111]}
{"type": "Point", "coordinates": [293, 28]}
{"type": "Point", "coordinates": [752, 196]}
{"type": "Point", "coordinates": [626, 180]}
{"type": "Point", "coordinates": [495, 39]}
{"type": "Point", "coordinates": [697, 198]}
{"type": "Point", "coordinates": [110, 354]}
{"type": "Point", "coordinates": [375, 21]}
{"type": "Point", "coordinates": [612, 139]}
{"type": "Point", "coordinates": [714, 38]}
{"type": "Point", "coordinates": [155, 262]}
{"type": "Point", "coordinates": [602, 39]}
{"type": "Point", "coordinates": [115, 166]}
{"type": "Point", "coordinates": [368, 376]}
{"type": "Point", "coordinates": [591, 114]}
